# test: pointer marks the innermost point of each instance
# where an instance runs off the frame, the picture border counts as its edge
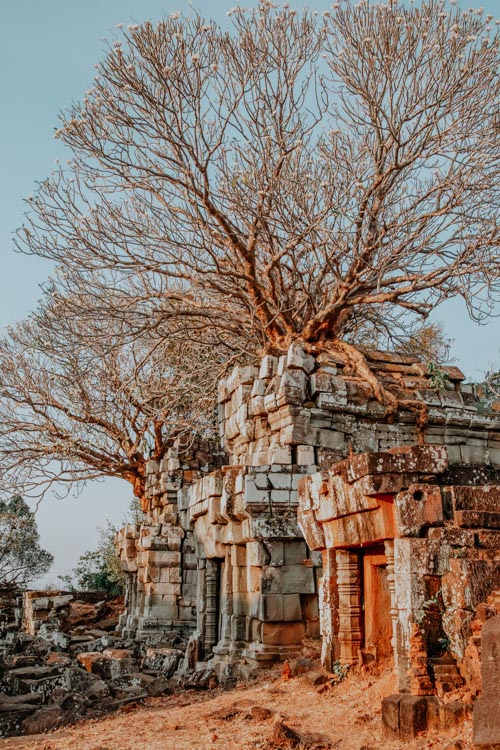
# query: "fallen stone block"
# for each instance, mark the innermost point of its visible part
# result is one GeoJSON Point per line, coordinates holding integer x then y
{"type": "Point", "coordinates": [285, 734]}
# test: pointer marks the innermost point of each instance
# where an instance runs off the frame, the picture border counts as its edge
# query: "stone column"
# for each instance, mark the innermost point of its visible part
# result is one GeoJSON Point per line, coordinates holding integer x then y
{"type": "Point", "coordinates": [350, 611]}
{"type": "Point", "coordinates": [211, 606]}
{"type": "Point", "coordinates": [328, 609]}
{"type": "Point", "coordinates": [391, 580]}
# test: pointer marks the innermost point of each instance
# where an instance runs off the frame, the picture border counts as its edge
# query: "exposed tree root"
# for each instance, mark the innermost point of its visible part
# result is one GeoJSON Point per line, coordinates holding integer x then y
{"type": "Point", "coordinates": [360, 364]}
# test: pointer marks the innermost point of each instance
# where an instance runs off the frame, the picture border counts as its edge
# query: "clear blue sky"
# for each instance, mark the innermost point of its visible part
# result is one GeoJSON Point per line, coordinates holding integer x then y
{"type": "Point", "coordinates": [47, 55]}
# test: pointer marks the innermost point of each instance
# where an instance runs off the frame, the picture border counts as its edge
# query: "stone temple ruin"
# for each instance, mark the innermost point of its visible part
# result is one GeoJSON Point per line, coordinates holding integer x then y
{"type": "Point", "coordinates": [316, 518]}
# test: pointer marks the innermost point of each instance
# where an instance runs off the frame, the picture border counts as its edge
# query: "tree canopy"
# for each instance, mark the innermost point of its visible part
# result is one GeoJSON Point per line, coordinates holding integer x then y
{"type": "Point", "coordinates": [294, 177]}
{"type": "Point", "coordinates": [327, 178]}
{"type": "Point", "coordinates": [78, 401]}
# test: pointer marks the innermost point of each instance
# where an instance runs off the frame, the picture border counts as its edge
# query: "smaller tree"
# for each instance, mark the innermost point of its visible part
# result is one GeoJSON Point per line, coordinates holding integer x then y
{"type": "Point", "coordinates": [21, 558]}
{"type": "Point", "coordinates": [489, 390]}
{"type": "Point", "coordinates": [98, 570]}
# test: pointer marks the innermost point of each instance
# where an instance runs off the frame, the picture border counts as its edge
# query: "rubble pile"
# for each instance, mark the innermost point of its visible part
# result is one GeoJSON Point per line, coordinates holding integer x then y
{"type": "Point", "coordinates": [68, 663]}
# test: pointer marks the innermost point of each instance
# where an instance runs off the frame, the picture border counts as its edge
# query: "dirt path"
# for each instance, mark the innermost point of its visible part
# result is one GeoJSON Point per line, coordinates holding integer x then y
{"type": "Point", "coordinates": [346, 717]}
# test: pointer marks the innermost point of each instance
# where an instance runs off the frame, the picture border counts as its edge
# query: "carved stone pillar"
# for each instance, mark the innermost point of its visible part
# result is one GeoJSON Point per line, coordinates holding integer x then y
{"type": "Point", "coordinates": [350, 612]}
{"type": "Point", "coordinates": [391, 580]}
{"type": "Point", "coordinates": [328, 610]}
{"type": "Point", "coordinates": [211, 605]}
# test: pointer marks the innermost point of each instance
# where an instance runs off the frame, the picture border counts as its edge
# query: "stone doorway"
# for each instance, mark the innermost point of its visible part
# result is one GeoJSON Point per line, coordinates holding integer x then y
{"type": "Point", "coordinates": [376, 601]}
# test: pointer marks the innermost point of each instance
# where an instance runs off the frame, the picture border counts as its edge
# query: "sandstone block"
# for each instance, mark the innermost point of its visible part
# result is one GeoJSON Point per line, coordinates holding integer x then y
{"type": "Point", "coordinates": [297, 359]}
{"type": "Point", "coordinates": [291, 607]}
{"type": "Point", "coordinates": [289, 579]}
{"type": "Point", "coordinates": [253, 496]}
{"type": "Point", "coordinates": [477, 519]}
{"type": "Point", "coordinates": [452, 536]}
{"type": "Point", "coordinates": [331, 439]}
{"type": "Point", "coordinates": [426, 459]}
{"type": "Point", "coordinates": [488, 539]}
{"type": "Point", "coordinates": [238, 555]}
{"type": "Point", "coordinates": [313, 532]}
{"type": "Point", "coordinates": [282, 634]}
{"type": "Point", "coordinates": [257, 554]}
{"type": "Point", "coordinates": [486, 717]}
{"type": "Point", "coordinates": [280, 498]}
{"type": "Point", "coordinates": [295, 552]}
{"type": "Point", "coordinates": [268, 366]}
{"type": "Point", "coordinates": [412, 716]}
{"type": "Point", "coordinates": [330, 401]}
{"type": "Point", "coordinates": [306, 455]}
{"type": "Point", "coordinates": [418, 508]}
{"type": "Point", "coordinates": [271, 608]}
{"type": "Point", "coordinates": [280, 454]}
{"type": "Point", "coordinates": [275, 552]}
{"type": "Point", "coordinates": [270, 402]}
{"type": "Point", "coordinates": [280, 481]}
{"type": "Point", "coordinates": [486, 498]}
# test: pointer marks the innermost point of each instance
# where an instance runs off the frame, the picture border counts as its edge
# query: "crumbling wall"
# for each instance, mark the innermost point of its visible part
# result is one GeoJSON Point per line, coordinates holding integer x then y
{"type": "Point", "coordinates": [157, 555]}
{"type": "Point", "coordinates": [312, 410]}
{"type": "Point", "coordinates": [257, 581]}
{"type": "Point", "coordinates": [222, 556]}
{"type": "Point", "coordinates": [41, 607]}
{"type": "Point", "coordinates": [438, 544]}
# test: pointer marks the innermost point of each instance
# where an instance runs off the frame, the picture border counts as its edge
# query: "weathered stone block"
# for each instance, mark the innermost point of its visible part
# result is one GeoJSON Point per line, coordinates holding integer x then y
{"type": "Point", "coordinates": [488, 539]}
{"type": "Point", "coordinates": [276, 552]}
{"type": "Point", "coordinates": [330, 439]}
{"type": "Point", "coordinates": [291, 607]}
{"type": "Point", "coordinates": [268, 366]}
{"type": "Point", "coordinates": [254, 575]}
{"type": "Point", "coordinates": [306, 455]}
{"type": "Point", "coordinates": [289, 579]}
{"type": "Point", "coordinates": [238, 628]}
{"type": "Point", "coordinates": [282, 634]}
{"type": "Point", "coordinates": [452, 536]}
{"type": "Point", "coordinates": [280, 481]}
{"type": "Point", "coordinates": [477, 519]}
{"type": "Point", "coordinates": [412, 716]}
{"type": "Point", "coordinates": [486, 717]}
{"type": "Point", "coordinates": [271, 608]}
{"type": "Point", "coordinates": [454, 714]}
{"type": "Point", "coordinates": [280, 499]}
{"type": "Point", "coordinates": [280, 454]}
{"type": "Point", "coordinates": [297, 359]}
{"type": "Point", "coordinates": [272, 527]}
{"type": "Point", "coordinates": [418, 508]}
{"type": "Point", "coordinates": [424, 459]}
{"type": "Point", "coordinates": [313, 532]}
{"type": "Point", "coordinates": [257, 554]}
{"type": "Point", "coordinates": [239, 579]}
{"type": "Point", "coordinates": [238, 555]}
{"type": "Point", "coordinates": [390, 715]}
{"type": "Point", "coordinates": [295, 552]}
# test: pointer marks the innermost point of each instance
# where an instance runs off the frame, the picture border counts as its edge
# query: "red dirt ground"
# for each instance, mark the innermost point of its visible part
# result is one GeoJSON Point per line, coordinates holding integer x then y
{"type": "Point", "coordinates": [343, 717]}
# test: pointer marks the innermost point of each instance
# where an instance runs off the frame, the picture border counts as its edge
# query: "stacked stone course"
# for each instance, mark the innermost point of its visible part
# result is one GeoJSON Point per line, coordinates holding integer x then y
{"type": "Point", "coordinates": [306, 453]}
{"type": "Point", "coordinates": [158, 554]}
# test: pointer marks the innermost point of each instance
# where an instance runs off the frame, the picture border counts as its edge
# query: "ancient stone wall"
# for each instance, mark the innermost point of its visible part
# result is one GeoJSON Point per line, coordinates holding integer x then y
{"type": "Point", "coordinates": [221, 554]}
{"type": "Point", "coordinates": [400, 541]}
{"type": "Point", "coordinates": [157, 555]}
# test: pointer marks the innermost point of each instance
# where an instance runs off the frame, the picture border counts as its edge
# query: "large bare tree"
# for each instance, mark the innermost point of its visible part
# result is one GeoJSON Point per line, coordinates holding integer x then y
{"type": "Point", "coordinates": [295, 177]}
{"type": "Point", "coordinates": [77, 402]}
